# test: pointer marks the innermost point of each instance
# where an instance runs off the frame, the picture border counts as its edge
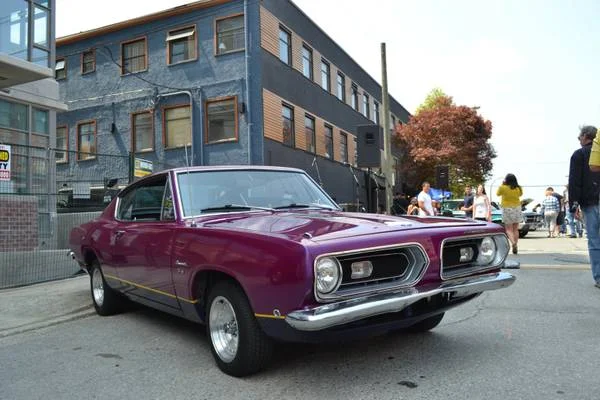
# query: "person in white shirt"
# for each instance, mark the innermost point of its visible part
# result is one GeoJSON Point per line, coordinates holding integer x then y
{"type": "Point", "coordinates": [482, 209]}
{"type": "Point", "coordinates": [424, 199]}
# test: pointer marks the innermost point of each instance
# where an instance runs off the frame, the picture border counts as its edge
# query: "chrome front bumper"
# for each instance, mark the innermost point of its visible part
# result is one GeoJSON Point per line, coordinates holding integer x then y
{"type": "Point", "coordinates": [334, 314]}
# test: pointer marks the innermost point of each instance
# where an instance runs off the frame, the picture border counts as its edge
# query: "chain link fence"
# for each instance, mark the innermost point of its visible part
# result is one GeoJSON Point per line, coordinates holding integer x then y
{"type": "Point", "coordinates": [50, 191]}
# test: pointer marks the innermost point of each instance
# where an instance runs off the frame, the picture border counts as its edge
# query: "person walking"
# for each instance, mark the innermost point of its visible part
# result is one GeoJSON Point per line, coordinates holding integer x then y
{"type": "Point", "coordinates": [584, 189]}
{"type": "Point", "coordinates": [551, 206]}
{"type": "Point", "coordinates": [482, 209]}
{"type": "Point", "coordinates": [511, 193]}
{"type": "Point", "coordinates": [424, 200]}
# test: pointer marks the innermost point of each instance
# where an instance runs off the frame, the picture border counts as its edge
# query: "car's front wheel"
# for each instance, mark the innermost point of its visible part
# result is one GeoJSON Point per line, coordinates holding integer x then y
{"type": "Point", "coordinates": [106, 300]}
{"type": "Point", "coordinates": [238, 344]}
{"type": "Point", "coordinates": [426, 324]}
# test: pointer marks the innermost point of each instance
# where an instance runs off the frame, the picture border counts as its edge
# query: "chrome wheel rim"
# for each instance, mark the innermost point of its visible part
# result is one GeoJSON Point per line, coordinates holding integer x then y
{"type": "Point", "coordinates": [98, 287]}
{"type": "Point", "coordinates": [224, 333]}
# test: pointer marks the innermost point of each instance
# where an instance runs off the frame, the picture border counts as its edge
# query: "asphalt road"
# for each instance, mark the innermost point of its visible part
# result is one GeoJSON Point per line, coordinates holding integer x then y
{"type": "Point", "coordinates": [538, 339]}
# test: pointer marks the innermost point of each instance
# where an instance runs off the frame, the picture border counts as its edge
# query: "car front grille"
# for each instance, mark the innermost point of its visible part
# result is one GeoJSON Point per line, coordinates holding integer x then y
{"type": "Point", "coordinates": [392, 268]}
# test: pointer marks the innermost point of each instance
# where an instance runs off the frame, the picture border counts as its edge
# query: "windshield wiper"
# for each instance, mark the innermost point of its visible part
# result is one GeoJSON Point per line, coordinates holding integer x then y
{"type": "Point", "coordinates": [235, 207]}
{"type": "Point", "coordinates": [302, 205]}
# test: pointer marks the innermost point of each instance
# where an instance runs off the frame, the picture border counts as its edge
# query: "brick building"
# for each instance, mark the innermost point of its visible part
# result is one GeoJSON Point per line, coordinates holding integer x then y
{"type": "Point", "coordinates": [216, 82]}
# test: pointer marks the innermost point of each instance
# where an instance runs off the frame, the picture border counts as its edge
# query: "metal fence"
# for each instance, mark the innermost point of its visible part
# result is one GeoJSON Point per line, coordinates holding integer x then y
{"type": "Point", "coordinates": [49, 192]}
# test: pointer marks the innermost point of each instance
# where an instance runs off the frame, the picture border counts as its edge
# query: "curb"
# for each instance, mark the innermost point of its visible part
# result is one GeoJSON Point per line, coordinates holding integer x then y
{"type": "Point", "coordinates": [74, 315]}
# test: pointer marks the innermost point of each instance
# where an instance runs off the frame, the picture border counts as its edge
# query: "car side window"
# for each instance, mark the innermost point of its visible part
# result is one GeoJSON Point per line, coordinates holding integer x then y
{"type": "Point", "coordinates": [143, 203]}
{"type": "Point", "coordinates": [168, 209]}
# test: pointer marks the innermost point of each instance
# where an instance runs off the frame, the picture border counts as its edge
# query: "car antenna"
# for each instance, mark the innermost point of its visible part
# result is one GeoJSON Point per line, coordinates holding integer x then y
{"type": "Point", "coordinates": [187, 164]}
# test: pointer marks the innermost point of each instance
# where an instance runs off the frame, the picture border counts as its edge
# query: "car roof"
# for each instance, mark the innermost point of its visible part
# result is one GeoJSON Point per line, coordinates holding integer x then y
{"type": "Point", "coordinates": [233, 168]}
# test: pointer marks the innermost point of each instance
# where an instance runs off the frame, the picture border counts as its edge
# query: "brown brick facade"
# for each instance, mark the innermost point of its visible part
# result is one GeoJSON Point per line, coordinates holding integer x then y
{"type": "Point", "coordinates": [18, 223]}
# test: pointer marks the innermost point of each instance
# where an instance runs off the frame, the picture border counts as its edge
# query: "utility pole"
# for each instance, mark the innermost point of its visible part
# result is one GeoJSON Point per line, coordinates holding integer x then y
{"type": "Point", "coordinates": [387, 148]}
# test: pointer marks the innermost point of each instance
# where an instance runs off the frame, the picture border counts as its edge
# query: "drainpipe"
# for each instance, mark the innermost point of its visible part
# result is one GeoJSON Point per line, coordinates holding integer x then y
{"type": "Point", "coordinates": [189, 93]}
{"type": "Point", "coordinates": [248, 109]}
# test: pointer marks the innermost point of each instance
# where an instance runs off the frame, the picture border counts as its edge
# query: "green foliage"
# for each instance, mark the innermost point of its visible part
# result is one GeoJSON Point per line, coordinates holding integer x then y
{"type": "Point", "coordinates": [435, 98]}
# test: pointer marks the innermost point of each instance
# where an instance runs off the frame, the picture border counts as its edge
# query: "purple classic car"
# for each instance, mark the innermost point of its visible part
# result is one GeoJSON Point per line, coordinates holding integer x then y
{"type": "Point", "coordinates": [260, 254]}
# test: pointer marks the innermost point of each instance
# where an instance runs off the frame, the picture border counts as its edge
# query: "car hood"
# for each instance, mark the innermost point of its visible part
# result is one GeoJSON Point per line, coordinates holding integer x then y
{"type": "Point", "coordinates": [327, 225]}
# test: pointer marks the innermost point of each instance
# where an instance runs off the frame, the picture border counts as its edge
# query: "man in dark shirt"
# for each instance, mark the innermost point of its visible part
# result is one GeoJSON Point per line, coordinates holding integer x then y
{"type": "Point", "coordinates": [584, 188]}
{"type": "Point", "coordinates": [468, 203]}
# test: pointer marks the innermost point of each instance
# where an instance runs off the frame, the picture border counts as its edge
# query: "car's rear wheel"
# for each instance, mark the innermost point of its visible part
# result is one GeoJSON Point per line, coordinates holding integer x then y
{"type": "Point", "coordinates": [238, 344]}
{"type": "Point", "coordinates": [106, 300]}
{"type": "Point", "coordinates": [426, 324]}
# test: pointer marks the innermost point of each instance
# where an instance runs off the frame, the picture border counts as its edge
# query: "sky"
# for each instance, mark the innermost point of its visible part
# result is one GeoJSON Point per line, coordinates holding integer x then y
{"type": "Point", "coordinates": [531, 66]}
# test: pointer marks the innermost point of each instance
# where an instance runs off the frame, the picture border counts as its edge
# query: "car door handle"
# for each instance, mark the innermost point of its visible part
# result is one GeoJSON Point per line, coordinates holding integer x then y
{"type": "Point", "coordinates": [118, 234]}
{"type": "Point", "coordinates": [180, 263]}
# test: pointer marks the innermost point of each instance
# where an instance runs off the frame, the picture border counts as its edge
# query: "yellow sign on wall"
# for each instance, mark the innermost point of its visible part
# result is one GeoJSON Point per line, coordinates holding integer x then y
{"type": "Point", "coordinates": [142, 167]}
{"type": "Point", "coordinates": [4, 162]}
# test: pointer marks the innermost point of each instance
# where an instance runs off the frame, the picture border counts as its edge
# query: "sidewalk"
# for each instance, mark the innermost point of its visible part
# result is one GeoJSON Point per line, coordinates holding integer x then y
{"type": "Point", "coordinates": [45, 304]}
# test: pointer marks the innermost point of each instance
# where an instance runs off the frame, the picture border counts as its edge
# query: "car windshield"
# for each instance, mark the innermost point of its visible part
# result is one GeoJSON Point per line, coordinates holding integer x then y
{"type": "Point", "coordinates": [204, 192]}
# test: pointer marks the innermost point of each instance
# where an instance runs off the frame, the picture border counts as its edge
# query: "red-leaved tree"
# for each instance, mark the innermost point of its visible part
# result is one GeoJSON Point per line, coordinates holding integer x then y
{"type": "Point", "coordinates": [446, 134]}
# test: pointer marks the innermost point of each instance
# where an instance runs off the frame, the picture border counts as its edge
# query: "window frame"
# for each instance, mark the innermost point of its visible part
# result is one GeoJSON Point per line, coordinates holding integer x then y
{"type": "Point", "coordinates": [311, 61]}
{"type": "Point", "coordinates": [133, 131]}
{"type": "Point", "coordinates": [289, 45]}
{"type": "Point", "coordinates": [354, 97]}
{"type": "Point", "coordinates": [168, 46]}
{"type": "Point", "coordinates": [293, 125]}
{"type": "Point", "coordinates": [216, 41]}
{"type": "Point", "coordinates": [376, 118]}
{"type": "Point", "coordinates": [328, 141]}
{"type": "Point", "coordinates": [64, 60]}
{"type": "Point", "coordinates": [64, 160]}
{"type": "Point", "coordinates": [324, 62]}
{"type": "Point", "coordinates": [343, 86]}
{"type": "Point", "coordinates": [85, 122]}
{"type": "Point", "coordinates": [344, 146]}
{"type": "Point", "coordinates": [122, 63]}
{"type": "Point", "coordinates": [164, 124]}
{"type": "Point", "coordinates": [365, 106]}
{"type": "Point", "coordinates": [314, 133]}
{"type": "Point", "coordinates": [83, 53]}
{"type": "Point", "coordinates": [235, 115]}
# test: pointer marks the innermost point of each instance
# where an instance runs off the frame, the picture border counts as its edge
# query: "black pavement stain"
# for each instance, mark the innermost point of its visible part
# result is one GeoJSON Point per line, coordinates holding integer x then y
{"type": "Point", "coordinates": [76, 348]}
{"type": "Point", "coordinates": [408, 384]}
{"type": "Point", "coordinates": [107, 355]}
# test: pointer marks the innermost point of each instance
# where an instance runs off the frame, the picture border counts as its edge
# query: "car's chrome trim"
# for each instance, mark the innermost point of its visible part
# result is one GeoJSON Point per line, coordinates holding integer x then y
{"type": "Point", "coordinates": [472, 270]}
{"type": "Point", "coordinates": [333, 297]}
{"type": "Point", "coordinates": [344, 312]}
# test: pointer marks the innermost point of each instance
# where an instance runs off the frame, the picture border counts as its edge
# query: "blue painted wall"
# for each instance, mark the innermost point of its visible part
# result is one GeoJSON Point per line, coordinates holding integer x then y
{"type": "Point", "coordinates": [108, 97]}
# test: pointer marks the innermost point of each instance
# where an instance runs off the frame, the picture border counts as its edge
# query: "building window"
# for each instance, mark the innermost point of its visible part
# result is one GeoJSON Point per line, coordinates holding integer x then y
{"type": "Point", "coordinates": [133, 56]}
{"type": "Point", "coordinates": [221, 120]}
{"type": "Point", "coordinates": [344, 147]}
{"type": "Point", "coordinates": [325, 83]}
{"type": "Point", "coordinates": [328, 141]}
{"type": "Point", "coordinates": [307, 62]}
{"type": "Point", "coordinates": [355, 161]}
{"type": "Point", "coordinates": [341, 87]}
{"type": "Point", "coordinates": [366, 105]}
{"type": "Point", "coordinates": [88, 62]}
{"type": "Point", "coordinates": [177, 126]}
{"type": "Point", "coordinates": [14, 116]}
{"type": "Point", "coordinates": [142, 131]}
{"type": "Point", "coordinates": [287, 116]}
{"type": "Point", "coordinates": [285, 46]}
{"type": "Point", "coordinates": [40, 121]}
{"type": "Point", "coordinates": [86, 140]}
{"type": "Point", "coordinates": [60, 70]}
{"type": "Point", "coordinates": [230, 34]}
{"type": "Point", "coordinates": [181, 45]}
{"type": "Point", "coordinates": [309, 129]}
{"type": "Point", "coordinates": [62, 144]}
{"type": "Point", "coordinates": [376, 112]}
{"type": "Point", "coordinates": [354, 99]}
{"type": "Point", "coordinates": [393, 128]}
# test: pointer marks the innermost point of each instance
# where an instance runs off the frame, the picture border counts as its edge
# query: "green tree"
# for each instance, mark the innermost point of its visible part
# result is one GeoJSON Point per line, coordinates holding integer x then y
{"type": "Point", "coordinates": [435, 98]}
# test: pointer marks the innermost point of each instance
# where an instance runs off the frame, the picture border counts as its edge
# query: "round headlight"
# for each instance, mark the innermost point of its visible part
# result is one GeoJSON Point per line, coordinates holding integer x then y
{"type": "Point", "coordinates": [327, 274]}
{"type": "Point", "coordinates": [487, 251]}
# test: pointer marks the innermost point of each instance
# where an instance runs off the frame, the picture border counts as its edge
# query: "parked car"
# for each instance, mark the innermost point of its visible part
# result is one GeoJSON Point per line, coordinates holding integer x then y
{"type": "Point", "coordinates": [260, 254]}
{"type": "Point", "coordinates": [452, 208]}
